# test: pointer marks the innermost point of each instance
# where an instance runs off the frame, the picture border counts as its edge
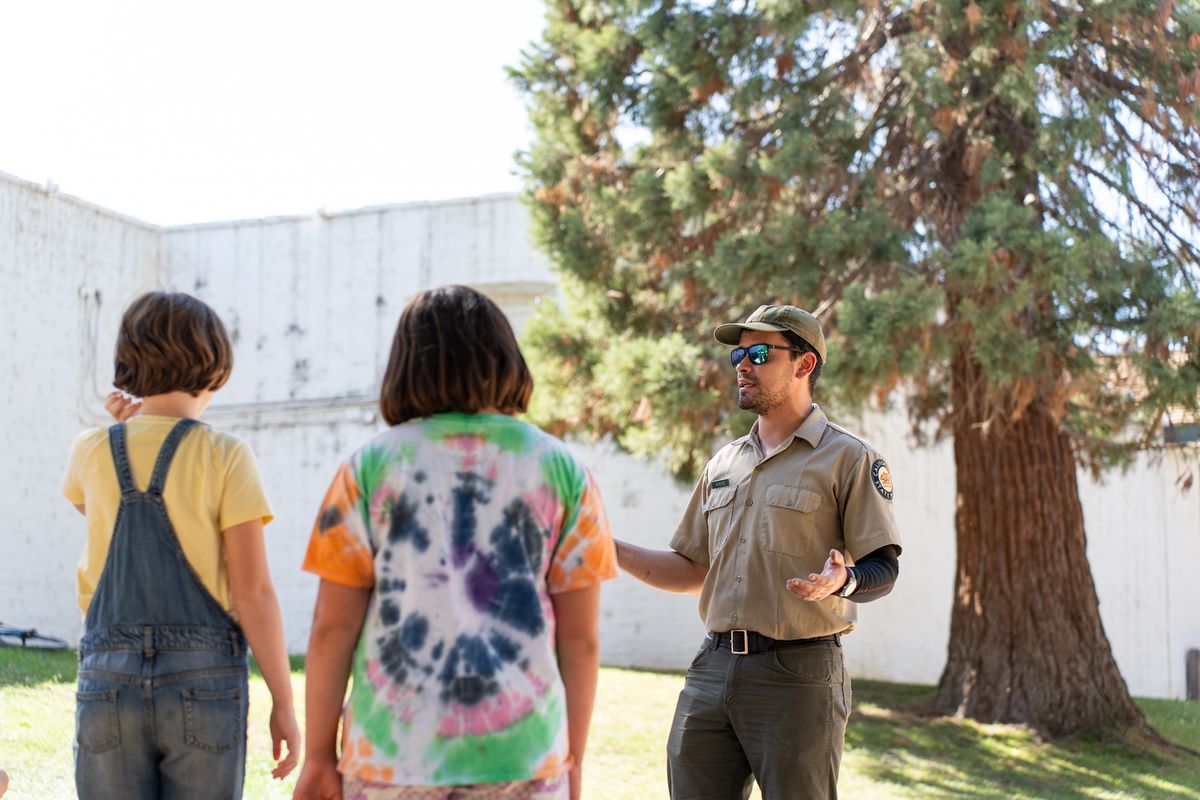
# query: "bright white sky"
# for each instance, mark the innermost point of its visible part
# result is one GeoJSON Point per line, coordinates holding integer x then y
{"type": "Point", "coordinates": [178, 112]}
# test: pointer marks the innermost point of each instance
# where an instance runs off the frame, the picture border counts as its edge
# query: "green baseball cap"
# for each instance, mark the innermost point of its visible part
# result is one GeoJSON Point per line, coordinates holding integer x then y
{"type": "Point", "coordinates": [775, 318]}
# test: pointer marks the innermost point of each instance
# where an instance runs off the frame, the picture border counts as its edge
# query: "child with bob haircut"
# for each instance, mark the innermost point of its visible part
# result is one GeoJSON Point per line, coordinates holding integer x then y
{"type": "Point", "coordinates": [175, 513]}
{"type": "Point", "coordinates": [460, 553]}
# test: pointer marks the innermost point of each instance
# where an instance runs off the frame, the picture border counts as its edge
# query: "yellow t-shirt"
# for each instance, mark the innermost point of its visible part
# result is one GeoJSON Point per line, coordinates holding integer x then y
{"type": "Point", "coordinates": [212, 485]}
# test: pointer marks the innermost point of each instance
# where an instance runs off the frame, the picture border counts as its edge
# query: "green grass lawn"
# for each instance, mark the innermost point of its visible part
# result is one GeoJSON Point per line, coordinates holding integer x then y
{"type": "Point", "coordinates": [891, 750]}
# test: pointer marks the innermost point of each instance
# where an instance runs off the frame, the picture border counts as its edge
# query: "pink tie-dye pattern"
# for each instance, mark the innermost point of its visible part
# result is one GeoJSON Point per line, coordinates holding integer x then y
{"type": "Point", "coordinates": [548, 614]}
{"type": "Point", "coordinates": [375, 675]}
{"type": "Point", "coordinates": [490, 715]}
{"type": "Point", "coordinates": [381, 505]}
{"type": "Point", "coordinates": [468, 447]}
{"type": "Point", "coordinates": [398, 697]}
{"type": "Point", "coordinates": [546, 508]}
{"type": "Point", "coordinates": [415, 730]}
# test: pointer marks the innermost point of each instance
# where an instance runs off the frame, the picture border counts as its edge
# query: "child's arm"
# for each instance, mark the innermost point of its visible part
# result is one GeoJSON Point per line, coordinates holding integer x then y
{"type": "Point", "coordinates": [258, 613]}
{"type": "Point", "coordinates": [577, 620]}
{"type": "Point", "coordinates": [337, 621]}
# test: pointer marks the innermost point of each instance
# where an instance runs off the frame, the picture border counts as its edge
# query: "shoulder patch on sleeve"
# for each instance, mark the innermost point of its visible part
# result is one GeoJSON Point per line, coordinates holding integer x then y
{"type": "Point", "coordinates": [882, 478]}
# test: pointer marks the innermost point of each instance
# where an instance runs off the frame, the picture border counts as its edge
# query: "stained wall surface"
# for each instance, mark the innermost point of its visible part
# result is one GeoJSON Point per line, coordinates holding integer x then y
{"type": "Point", "coordinates": [312, 301]}
{"type": "Point", "coordinates": [66, 270]}
{"type": "Point", "coordinates": [312, 304]}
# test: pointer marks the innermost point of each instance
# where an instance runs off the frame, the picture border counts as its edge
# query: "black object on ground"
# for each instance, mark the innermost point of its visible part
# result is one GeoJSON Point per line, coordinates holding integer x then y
{"type": "Point", "coordinates": [28, 637]}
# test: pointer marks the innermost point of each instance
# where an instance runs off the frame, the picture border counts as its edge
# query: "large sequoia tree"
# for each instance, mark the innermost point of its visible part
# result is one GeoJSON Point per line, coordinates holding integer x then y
{"type": "Point", "coordinates": [991, 205]}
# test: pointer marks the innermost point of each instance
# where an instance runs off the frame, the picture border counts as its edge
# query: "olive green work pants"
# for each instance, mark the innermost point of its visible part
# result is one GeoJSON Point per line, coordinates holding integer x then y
{"type": "Point", "coordinates": [778, 717]}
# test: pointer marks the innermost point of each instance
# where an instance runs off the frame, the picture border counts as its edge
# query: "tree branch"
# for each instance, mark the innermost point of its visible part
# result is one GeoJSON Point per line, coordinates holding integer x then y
{"type": "Point", "coordinates": [1160, 225]}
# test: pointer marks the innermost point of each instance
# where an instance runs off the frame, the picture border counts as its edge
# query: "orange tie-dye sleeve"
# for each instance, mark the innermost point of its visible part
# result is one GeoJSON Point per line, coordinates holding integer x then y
{"type": "Point", "coordinates": [338, 549]}
{"type": "Point", "coordinates": [586, 554]}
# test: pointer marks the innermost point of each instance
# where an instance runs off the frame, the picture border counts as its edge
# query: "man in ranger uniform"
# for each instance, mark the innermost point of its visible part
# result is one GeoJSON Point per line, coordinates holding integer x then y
{"type": "Point", "coordinates": [788, 527]}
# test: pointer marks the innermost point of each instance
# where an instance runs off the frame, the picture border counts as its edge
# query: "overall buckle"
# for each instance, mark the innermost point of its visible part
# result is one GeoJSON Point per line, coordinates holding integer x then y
{"type": "Point", "coordinates": [744, 647]}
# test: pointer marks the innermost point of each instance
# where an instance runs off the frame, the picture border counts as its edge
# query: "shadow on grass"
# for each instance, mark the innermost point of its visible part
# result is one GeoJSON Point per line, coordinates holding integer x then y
{"type": "Point", "coordinates": [938, 757]}
{"type": "Point", "coordinates": [21, 666]}
{"type": "Point", "coordinates": [890, 742]}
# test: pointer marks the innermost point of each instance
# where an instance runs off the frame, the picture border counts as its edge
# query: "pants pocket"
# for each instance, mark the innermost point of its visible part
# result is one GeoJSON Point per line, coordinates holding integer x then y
{"type": "Point", "coordinates": [814, 663]}
{"type": "Point", "coordinates": [96, 726]}
{"type": "Point", "coordinates": [704, 648]}
{"type": "Point", "coordinates": [212, 720]}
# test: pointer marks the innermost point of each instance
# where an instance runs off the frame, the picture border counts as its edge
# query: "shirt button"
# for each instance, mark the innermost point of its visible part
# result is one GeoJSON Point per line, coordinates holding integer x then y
{"type": "Point", "coordinates": [738, 579]}
{"type": "Point", "coordinates": [789, 502]}
{"type": "Point", "coordinates": [749, 502]}
{"type": "Point", "coordinates": [735, 617]}
{"type": "Point", "coordinates": [743, 540]}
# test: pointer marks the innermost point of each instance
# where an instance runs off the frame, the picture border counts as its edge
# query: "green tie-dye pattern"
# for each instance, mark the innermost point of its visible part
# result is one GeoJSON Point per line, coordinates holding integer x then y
{"type": "Point", "coordinates": [518, 750]}
{"type": "Point", "coordinates": [564, 474]}
{"type": "Point", "coordinates": [507, 433]}
{"type": "Point", "coordinates": [374, 719]}
{"type": "Point", "coordinates": [369, 472]}
{"type": "Point", "coordinates": [508, 755]}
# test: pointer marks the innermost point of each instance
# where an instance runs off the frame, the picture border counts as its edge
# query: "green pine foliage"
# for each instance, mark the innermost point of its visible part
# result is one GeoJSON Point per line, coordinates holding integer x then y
{"type": "Point", "coordinates": [1009, 181]}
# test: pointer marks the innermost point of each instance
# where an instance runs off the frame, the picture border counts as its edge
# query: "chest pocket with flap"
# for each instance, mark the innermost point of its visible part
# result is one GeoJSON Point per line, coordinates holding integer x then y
{"type": "Point", "coordinates": [791, 520]}
{"type": "Point", "coordinates": [718, 516]}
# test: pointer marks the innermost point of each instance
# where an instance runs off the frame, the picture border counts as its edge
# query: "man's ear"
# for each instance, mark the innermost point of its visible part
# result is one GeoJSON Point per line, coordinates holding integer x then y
{"type": "Point", "coordinates": [805, 364]}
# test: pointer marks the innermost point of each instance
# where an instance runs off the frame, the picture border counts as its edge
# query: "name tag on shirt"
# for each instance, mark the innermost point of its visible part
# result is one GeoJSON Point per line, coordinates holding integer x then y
{"type": "Point", "coordinates": [719, 484]}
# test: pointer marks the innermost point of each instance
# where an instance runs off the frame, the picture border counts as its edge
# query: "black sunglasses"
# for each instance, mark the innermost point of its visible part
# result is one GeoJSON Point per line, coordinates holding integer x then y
{"type": "Point", "coordinates": [758, 353]}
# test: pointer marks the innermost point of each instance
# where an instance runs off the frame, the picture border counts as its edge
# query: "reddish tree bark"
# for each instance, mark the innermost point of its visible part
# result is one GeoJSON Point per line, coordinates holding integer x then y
{"type": "Point", "coordinates": [1026, 641]}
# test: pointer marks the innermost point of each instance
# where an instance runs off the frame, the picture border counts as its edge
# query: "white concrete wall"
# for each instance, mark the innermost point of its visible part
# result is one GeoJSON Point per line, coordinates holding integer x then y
{"type": "Point", "coordinates": [1144, 547]}
{"type": "Point", "coordinates": [1143, 544]}
{"type": "Point", "coordinates": [312, 302]}
{"type": "Point", "coordinates": [903, 637]}
{"type": "Point", "coordinates": [66, 271]}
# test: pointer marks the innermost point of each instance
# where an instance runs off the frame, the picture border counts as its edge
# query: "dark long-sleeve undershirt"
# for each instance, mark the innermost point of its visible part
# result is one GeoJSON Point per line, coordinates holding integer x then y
{"type": "Point", "coordinates": [876, 574]}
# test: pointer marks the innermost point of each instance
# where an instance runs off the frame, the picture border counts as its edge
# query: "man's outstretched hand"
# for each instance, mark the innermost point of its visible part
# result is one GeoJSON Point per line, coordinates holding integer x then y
{"type": "Point", "coordinates": [820, 586]}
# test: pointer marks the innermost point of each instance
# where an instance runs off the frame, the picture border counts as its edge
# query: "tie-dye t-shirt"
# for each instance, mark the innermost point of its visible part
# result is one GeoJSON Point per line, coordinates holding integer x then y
{"type": "Point", "coordinates": [463, 526]}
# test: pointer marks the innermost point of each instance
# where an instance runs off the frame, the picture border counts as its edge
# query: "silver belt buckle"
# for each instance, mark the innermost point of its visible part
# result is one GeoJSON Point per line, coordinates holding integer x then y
{"type": "Point", "coordinates": [733, 645]}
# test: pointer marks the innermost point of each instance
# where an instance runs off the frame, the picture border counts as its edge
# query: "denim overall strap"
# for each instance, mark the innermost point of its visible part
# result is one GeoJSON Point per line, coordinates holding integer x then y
{"type": "Point", "coordinates": [147, 580]}
{"type": "Point", "coordinates": [166, 454]}
{"type": "Point", "coordinates": [120, 454]}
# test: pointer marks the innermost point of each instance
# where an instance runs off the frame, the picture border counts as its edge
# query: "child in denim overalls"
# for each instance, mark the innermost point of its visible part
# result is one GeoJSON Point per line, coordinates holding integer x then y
{"type": "Point", "coordinates": [161, 708]}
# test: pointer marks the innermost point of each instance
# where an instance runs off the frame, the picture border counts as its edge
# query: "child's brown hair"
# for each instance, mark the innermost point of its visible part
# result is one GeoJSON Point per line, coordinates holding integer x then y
{"type": "Point", "coordinates": [171, 342]}
{"type": "Point", "coordinates": [453, 351]}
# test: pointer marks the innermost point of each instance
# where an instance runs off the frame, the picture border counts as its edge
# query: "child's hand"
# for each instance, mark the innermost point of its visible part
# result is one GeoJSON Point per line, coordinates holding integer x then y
{"type": "Point", "coordinates": [121, 406]}
{"type": "Point", "coordinates": [319, 780]}
{"type": "Point", "coordinates": [284, 729]}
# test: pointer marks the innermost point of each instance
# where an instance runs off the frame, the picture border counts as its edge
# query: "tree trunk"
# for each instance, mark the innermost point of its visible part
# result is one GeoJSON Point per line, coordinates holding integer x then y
{"type": "Point", "coordinates": [1026, 641]}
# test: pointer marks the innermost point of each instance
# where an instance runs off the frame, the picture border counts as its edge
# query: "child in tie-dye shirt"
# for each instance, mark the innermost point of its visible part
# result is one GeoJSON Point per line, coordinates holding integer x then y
{"type": "Point", "coordinates": [460, 554]}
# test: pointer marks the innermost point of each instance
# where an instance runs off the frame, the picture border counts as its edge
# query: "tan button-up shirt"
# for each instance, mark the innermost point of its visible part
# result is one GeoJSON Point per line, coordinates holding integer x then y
{"type": "Point", "coordinates": [757, 521]}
